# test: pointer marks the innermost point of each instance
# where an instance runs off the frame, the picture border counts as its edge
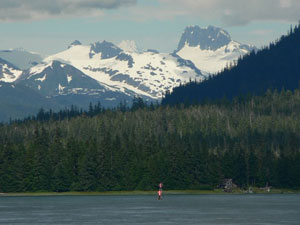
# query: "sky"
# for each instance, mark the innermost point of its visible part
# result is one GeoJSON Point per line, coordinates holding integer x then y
{"type": "Point", "coordinates": [49, 26]}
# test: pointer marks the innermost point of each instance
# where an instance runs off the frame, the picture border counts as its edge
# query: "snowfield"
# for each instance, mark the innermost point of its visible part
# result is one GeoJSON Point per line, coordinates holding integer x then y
{"type": "Point", "coordinates": [209, 61]}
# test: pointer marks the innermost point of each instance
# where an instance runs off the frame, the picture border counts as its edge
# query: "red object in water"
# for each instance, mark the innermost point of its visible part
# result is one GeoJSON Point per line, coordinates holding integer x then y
{"type": "Point", "coordinates": [159, 192]}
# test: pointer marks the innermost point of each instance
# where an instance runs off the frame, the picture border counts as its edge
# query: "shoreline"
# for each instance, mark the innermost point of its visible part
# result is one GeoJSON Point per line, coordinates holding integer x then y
{"type": "Point", "coordinates": [166, 192]}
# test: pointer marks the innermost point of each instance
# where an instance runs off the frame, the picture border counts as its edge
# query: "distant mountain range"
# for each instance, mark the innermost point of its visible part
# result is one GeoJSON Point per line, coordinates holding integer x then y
{"type": "Point", "coordinates": [274, 67]}
{"type": "Point", "coordinates": [111, 73]}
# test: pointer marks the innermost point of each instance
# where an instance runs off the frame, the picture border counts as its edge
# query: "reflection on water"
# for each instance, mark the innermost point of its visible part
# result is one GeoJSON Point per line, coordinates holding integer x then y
{"type": "Point", "coordinates": [146, 210]}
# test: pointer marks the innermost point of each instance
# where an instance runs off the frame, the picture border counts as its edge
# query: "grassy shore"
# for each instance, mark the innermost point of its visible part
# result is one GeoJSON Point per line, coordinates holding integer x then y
{"type": "Point", "coordinates": [166, 192]}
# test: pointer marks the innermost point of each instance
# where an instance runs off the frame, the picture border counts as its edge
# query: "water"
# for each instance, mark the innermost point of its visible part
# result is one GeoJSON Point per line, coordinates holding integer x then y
{"type": "Point", "coordinates": [146, 210]}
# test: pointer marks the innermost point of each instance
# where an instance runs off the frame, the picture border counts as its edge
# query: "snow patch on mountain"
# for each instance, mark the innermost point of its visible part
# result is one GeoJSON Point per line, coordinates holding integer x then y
{"type": "Point", "coordinates": [60, 89]}
{"type": "Point", "coordinates": [69, 77]}
{"type": "Point", "coordinates": [8, 72]}
{"type": "Point", "coordinates": [39, 68]}
{"type": "Point", "coordinates": [42, 78]}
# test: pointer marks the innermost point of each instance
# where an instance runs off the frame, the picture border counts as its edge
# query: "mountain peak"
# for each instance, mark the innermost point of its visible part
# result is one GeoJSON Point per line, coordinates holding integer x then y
{"type": "Point", "coordinates": [128, 46]}
{"type": "Point", "coordinates": [74, 43]}
{"type": "Point", "coordinates": [209, 38]}
{"type": "Point", "coordinates": [107, 49]}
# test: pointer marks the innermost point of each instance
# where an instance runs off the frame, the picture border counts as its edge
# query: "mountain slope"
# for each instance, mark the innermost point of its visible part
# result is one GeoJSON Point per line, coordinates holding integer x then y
{"type": "Point", "coordinates": [210, 49]}
{"type": "Point", "coordinates": [68, 85]}
{"type": "Point", "coordinates": [8, 72]}
{"type": "Point", "coordinates": [276, 67]}
{"type": "Point", "coordinates": [18, 101]}
{"type": "Point", "coordinates": [56, 78]}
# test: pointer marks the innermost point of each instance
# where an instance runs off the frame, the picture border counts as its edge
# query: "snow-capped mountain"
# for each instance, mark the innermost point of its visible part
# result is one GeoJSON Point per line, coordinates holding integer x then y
{"type": "Point", "coordinates": [149, 74]}
{"type": "Point", "coordinates": [8, 72]}
{"type": "Point", "coordinates": [210, 49]}
{"type": "Point", "coordinates": [21, 58]}
{"type": "Point", "coordinates": [108, 73]}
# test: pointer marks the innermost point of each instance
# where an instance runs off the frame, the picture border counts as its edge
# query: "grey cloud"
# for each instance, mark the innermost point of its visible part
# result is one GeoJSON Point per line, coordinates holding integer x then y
{"type": "Point", "coordinates": [12, 10]}
{"type": "Point", "coordinates": [238, 12]}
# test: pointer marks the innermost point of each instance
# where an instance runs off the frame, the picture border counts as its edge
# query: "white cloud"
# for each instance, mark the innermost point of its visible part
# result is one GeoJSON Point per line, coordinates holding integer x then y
{"type": "Point", "coordinates": [13, 10]}
{"type": "Point", "coordinates": [236, 12]}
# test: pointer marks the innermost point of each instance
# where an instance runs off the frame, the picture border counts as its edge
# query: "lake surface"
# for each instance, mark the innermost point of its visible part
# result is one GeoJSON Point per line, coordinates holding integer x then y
{"type": "Point", "coordinates": [146, 210]}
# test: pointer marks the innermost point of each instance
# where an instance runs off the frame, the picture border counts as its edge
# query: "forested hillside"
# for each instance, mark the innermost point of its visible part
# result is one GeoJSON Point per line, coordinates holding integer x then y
{"type": "Point", "coordinates": [254, 141]}
{"type": "Point", "coordinates": [274, 67]}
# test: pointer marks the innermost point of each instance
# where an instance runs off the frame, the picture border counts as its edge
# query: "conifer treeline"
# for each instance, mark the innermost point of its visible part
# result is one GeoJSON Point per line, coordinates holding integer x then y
{"type": "Point", "coordinates": [254, 140]}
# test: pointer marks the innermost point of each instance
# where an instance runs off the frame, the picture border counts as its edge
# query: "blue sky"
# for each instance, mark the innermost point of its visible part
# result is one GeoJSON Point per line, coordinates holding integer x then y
{"type": "Point", "coordinates": [49, 26]}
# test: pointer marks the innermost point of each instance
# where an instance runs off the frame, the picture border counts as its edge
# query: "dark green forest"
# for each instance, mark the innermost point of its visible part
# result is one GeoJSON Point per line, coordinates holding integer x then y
{"type": "Point", "coordinates": [253, 140]}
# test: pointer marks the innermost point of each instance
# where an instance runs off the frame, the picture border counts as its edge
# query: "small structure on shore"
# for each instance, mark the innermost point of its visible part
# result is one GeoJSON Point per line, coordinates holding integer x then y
{"type": "Point", "coordinates": [250, 190]}
{"type": "Point", "coordinates": [227, 185]}
{"type": "Point", "coordinates": [267, 188]}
